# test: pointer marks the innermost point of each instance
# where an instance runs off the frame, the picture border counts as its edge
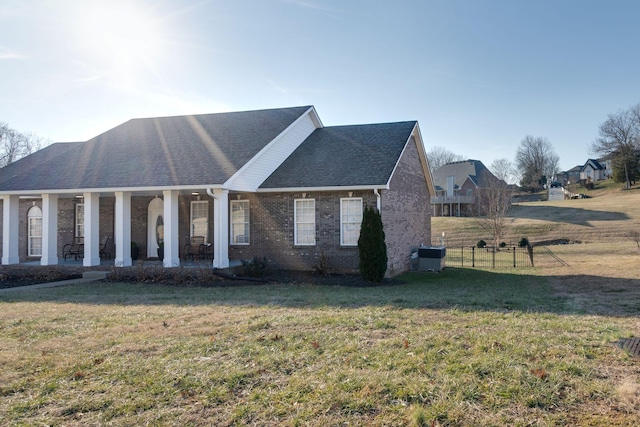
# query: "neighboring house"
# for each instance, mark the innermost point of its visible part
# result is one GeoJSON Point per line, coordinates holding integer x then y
{"type": "Point", "coordinates": [593, 171]}
{"type": "Point", "coordinates": [458, 186]}
{"type": "Point", "coordinates": [273, 183]}
{"type": "Point", "coordinates": [571, 176]}
{"type": "Point", "coordinates": [607, 163]}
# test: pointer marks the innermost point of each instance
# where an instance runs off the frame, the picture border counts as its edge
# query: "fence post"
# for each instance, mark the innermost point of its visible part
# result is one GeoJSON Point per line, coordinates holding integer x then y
{"type": "Point", "coordinates": [493, 257]}
{"type": "Point", "coordinates": [530, 249]}
{"type": "Point", "coordinates": [462, 257]}
{"type": "Point", "coordinates": [514, 257]}
{"type": "Point", "coordinates": [473, 256]}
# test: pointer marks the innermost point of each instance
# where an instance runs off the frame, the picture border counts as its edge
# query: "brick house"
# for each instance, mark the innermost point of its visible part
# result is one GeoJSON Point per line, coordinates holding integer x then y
{"type": "Point", "coordinates": [273, 183]}
{"type": "Point", "coordinates": [459, 187]}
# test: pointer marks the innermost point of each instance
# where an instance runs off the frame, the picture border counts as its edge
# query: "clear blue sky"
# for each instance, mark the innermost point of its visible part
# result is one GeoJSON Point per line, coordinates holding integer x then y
{"type": "Point", "coordinates": [478, 75]}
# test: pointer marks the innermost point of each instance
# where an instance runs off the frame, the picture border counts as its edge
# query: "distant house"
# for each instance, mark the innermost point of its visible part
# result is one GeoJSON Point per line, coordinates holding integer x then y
{"type": "Point", "coordinates": [458, 186]}
{"type": "Point", "coordinates": [571, 176]}
{"type": "Point", "coordinates": [593, 170]}
{"type": "Point", "coordinates": [273, 183]}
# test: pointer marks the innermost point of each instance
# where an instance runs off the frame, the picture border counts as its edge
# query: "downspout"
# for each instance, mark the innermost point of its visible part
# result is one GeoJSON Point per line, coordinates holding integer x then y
{"type": "Point", "coordinates": [375, 191]}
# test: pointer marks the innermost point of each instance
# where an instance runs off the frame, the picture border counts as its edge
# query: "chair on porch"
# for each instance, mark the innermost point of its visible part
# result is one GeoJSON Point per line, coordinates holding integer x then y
{"type": "Point", "coordinates": [74, 249]}
{"type": "Point", "coordinates": [194, 248]}
{"type": "Point", "coordinates": [103, 248]}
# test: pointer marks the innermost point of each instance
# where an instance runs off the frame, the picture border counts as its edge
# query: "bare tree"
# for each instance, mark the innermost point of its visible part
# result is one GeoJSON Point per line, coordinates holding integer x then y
{"type": "Point", "coordinates": [494, 203]}
{"type": "Point", "coordinates": [15, 145]}
{"type": "Point", "coordinates": [440, 156]}
{"type": "Point", "coordinates": [619, 136]}
{"type": "Point", "coordinates": [503, 169]}
{"type": "Point", "coordinates": [537, 161]}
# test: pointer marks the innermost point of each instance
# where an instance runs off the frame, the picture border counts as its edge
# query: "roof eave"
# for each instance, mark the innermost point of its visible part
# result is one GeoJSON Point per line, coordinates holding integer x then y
{"type": "Point", "coordinates": [324, 188]}
{"type": "Point", "coordinates": [66, 191]}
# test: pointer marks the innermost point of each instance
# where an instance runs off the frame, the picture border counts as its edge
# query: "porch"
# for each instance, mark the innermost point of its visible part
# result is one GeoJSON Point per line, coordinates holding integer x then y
{"type": "Point", "coordinates": [41, 225]}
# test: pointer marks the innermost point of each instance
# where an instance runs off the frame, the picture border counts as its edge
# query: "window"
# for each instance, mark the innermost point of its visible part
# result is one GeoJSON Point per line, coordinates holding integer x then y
{"type": "Point", "coordinates": [35, 231]}
{"type": "Point", "coordinates": [200, 219]}
{"type": "Point", "coordinates": [350, 220]}
{"type": "Point", "coordinates": [239, 222]}
{"type": "Point", "coordinates": [305, 222]}
{"type": "Point", "coordinates": [79, 220]}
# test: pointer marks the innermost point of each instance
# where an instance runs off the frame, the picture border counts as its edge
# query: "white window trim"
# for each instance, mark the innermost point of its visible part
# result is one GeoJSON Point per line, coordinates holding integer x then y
{"type": "Point", "coordinates": [246, 223]}
{"type": "Point", "coordinates": [295, 222]}
{"type": "Point", "coordinates": [195, 202]}
{"type": "Point", "coordinates": [343, 222]}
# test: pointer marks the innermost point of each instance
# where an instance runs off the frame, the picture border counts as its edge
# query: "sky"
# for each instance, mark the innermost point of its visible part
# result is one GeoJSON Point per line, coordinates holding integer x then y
{"type": "Point", "coordinates": [478, 75]}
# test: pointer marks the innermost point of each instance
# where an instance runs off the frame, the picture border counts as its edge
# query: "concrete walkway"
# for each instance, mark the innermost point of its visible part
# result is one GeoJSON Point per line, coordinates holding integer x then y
{"type": "Point", "coordinates": [87, 276]}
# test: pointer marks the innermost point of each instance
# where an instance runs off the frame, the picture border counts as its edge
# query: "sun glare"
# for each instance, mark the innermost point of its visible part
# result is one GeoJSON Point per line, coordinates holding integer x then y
{"type": "Point", "coordinates": [121, 40]}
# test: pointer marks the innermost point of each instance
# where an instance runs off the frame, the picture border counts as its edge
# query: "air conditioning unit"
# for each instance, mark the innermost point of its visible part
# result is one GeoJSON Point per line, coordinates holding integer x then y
{"type": "Point", "coordinates": [430, 258]}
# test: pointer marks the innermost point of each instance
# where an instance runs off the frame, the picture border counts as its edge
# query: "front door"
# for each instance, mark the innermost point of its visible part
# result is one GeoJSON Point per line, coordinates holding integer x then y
{"type": "Point", "coordinates": [155, 227]}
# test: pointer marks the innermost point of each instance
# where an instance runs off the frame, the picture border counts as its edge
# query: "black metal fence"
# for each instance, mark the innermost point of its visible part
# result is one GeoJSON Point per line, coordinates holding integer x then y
{"type": "Point", "coordinates": [489, 257]}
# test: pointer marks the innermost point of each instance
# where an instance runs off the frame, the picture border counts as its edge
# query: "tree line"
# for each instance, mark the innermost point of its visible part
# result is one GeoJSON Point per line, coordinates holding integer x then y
{"type": "Point", "coordinates": [15, 145]}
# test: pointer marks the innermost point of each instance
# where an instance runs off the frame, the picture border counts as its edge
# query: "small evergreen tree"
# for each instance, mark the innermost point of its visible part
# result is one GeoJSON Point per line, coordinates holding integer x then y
{"type": "Point", "coordinates": [371, 246]}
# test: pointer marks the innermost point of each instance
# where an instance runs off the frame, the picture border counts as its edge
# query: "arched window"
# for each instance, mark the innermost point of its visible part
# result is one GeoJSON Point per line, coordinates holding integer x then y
{"type": "Point", "coordinates": [34, 217]}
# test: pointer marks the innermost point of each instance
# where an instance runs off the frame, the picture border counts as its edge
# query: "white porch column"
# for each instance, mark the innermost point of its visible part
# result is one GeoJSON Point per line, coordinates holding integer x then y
{"type": "Point", "coordinates": [171, 244]}
{"type": "Point", "coordinates": [49, 229]}
{"type": "Point", "coordinates": [10, 221]}
{"type": "Point", "coordinates": [91, 229]}
{"type": "Point", "coordinates": [122, 236]}
{"type": "Point", "coordinates": [221, 228]}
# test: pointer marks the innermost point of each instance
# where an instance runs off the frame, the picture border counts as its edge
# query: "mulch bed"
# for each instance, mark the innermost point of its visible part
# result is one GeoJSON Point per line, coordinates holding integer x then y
{"type": "Point", "coordinates": [15, 276]}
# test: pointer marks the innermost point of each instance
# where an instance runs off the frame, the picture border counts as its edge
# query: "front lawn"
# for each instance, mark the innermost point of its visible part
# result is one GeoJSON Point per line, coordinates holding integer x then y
{"type": "Point", "coordinates": [463, 347]}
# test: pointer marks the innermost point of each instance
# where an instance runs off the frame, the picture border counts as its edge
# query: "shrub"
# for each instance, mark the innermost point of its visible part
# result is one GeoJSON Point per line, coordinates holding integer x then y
{"type": "Point", "coordinates": [481, 243]}
{"type": "Point", "coordinates": [322, 266]}
{"type": "Point", "coordinates": [503, 244]}
{"type": "Point", "coordinates": [255, 267]}
{"type": "Point", "coordinates": [371, 246]}
{"type": "Point", "coordinates": [524, 242]}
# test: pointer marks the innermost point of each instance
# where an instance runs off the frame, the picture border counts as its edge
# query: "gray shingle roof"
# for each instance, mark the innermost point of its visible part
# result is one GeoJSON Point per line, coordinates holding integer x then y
{"type": "Point", "coordinates": [344, 156]}
{"type": "Point", "coordinates": [475, 169]}
{"type": "Point", "coordinates": [168, 151]}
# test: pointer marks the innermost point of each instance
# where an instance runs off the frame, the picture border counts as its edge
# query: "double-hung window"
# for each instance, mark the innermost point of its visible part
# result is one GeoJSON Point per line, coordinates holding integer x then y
{"type": "Point", "coordinates": [350, 220]}
{"type": "Point", "coordinates": [200, 219]}
{"type": "Point", "coordinates": [240, 222]}
{"type": "Point", "coordinates": [305, 222]}
{"type": "Point", "coordinates": [79, 221]}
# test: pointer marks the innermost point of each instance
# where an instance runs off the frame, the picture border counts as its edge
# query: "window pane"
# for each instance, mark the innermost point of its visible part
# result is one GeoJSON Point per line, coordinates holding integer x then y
{"type": "Point", "coordinates": [350, 220]}
{"type": "Point", "coordinates": [240, 222]}
{"type": "Point", "coordinates": [200, 219]}
{"type": "Point", "coordinates": [80, 220]}
{"type": "Point", "coordinates": [35, 232]}
{"type": "Point", "coordinates": [305, 222]}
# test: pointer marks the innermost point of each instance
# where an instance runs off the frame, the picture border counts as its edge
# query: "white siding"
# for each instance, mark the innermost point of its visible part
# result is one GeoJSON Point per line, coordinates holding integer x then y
{"type": "Point", "coordinates": [270, 157]}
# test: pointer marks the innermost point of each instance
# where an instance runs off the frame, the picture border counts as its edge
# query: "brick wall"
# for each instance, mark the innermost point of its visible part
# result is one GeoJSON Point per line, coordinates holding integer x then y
{"type": "Point", "coordinates": [406, 213]}
{"type": "Point", "coordinates": [272, 231]}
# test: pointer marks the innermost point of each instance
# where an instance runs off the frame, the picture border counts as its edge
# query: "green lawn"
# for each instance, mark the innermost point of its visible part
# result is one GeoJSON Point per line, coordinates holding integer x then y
{"type": "Point", "coordinates": [463, 347]}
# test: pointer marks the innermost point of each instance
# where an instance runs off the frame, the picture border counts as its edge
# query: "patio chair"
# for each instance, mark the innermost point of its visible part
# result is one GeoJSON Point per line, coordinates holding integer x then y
{"type": "Point", "coordinates": [103, 249]}
{"type": "Point", "coordinates": [74, 249]}
{"type": "Point", "coordinates": [194, 249]}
